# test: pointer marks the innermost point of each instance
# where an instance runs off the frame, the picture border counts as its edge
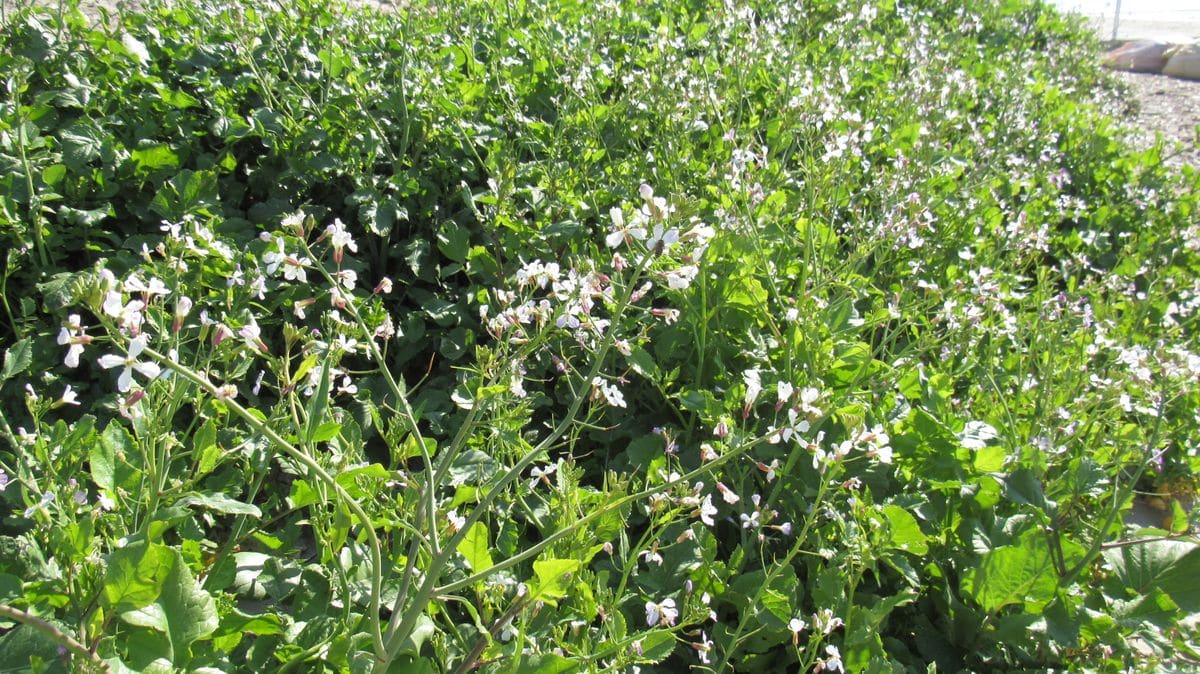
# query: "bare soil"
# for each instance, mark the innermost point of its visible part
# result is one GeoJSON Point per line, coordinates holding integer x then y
{"type": "Point", "coordinates": [1168, 107]}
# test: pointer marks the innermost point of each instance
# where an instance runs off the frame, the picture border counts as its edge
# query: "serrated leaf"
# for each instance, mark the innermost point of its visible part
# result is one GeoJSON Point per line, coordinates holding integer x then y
{"type": "Point", "coordinates": [154, 157]}
{"type": "Point", "coordinates": [476, 548]}
{"type": "Point", "coordinates": [1171, 566]}
{"type": "Point", "coordinates": [183, 610]}
{"type": "Point", "coordinates": [135, 576]}
{"type": "Point", "coordinates": [553, 577]}
{"type": "Point", "coordinates": [905, 531]}
{"type": "Point", "coordinates": [656, 646]}
{"type": "Point", "coordinates": [1013, 574]}
{"type": "Point", "coordinates": [80, 146]}
{"type": "Point", "coordinates": [17, 359]}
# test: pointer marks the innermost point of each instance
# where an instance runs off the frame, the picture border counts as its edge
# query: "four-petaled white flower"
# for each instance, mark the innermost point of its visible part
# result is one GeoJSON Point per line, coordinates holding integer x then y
{"type": "Point", "coordinates": [150, 370]}
{"type": "Point", "coordinates": [661, 239]}
{"type": "Point", "coordinates": [663, 613]}
{"type": "Point", "coordinates": [72, 334]}
{"type": "Point", "coordinates": [622, 233]}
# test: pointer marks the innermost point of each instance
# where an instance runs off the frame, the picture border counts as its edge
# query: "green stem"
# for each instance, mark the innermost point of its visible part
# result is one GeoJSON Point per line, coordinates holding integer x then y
{"type": "Point", "coordinates": [316, 470]}
{"type": "Point", "coordinates": [66, 640]}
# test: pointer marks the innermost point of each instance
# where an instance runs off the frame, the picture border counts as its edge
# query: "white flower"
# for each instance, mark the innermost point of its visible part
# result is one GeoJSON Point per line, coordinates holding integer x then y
{"type": "Point", "coordinates": [340, 239]}
{"type": "Point", "coordinates": [796, 626]}
{"type": "Point", "coordinates": [708, 511]}
{"type": "Point", "coordinates": [128, 315]}
{"type": "Point", "coordinates": [661, 239]}
{"type": "Point", "coordinates": [662, 613]}
{"type": "Point", "coordinates": [681, 278]}
{"type": "Point", "coordinates": [69, 397]}
{"type": "Point", "coordinates": [72, 334]}
{"type": "Point", "coordinates": [273, 258]}
{"type": "Point", "coordinates": [832, 662]}
{"type": "Point", "coordinates": [149, 370]}
{"type": "Point", "coordinates": [620, 232]}
{"type": "Point", "coordinates": [753, 386]}
{"type": "Point", "coordinates": [611, 394]}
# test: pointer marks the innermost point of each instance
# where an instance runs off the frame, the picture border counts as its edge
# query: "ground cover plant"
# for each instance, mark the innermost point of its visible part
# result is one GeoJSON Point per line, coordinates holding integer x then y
{"type": "Point", "coordinates": [575, 336]}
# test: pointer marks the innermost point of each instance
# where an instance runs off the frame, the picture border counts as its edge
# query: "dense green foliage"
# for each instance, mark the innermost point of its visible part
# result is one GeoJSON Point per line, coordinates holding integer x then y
{"type": "Point", "coordinates": [539, 336]}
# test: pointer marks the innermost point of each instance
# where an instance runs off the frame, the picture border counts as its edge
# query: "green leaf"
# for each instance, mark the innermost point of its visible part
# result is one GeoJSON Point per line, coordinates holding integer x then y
{"type": "Point", "coordinates": [136, 575]}
{"type": "Point", "coordinates": [317, 404]}
{"type": "Point", "coordinates": [220, 503]}
{"type": "Point", "coordinates": [183, 610]}
{"type": "Point", "coordinates": [80, 146]}
{"type": "Point", "coordinates": [108, 460]}
{"type": "Point", "coordinates": [643, 363]}
{"type": "Point", "coordinates": [153, 158]}
{"type": "Point", "coordinates": [905, 532]}
{"type": "Point", "coordinates": [475, 547]}
{"type": "Point", "coordinates": [472, 467]}
{"type": "Point", "coordinates": [1013, 574]}
{"type": "Point", "coordinates": [19, 646]}
{"type": "Point", "coordinates": [547, 663]}
{"type": "Point", "coordinates": [419, 635]}
{"type": "Point", "coordinates": [454, 241]}
{"type": "Point", "coordinates": [53, 174]}
{"type": "Point", "coordinates": [657, 645]}
{"type": "Point", "coordinates": [17, 359]}
{"type": "Point", "coordinates": [135, 48]}
{"type": "Point", "coordinates": [1154, 607]}
{"type": "Point", "coordinates": [1171, 566]}
{"type": "Point", "coordinates": [553, 579]}
{"type": "Point", "coordinates": [10, 587]}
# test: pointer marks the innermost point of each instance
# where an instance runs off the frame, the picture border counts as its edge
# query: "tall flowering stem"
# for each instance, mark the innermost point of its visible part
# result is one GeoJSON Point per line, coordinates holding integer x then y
{"type": "Point", "coordinates": [314, 468]}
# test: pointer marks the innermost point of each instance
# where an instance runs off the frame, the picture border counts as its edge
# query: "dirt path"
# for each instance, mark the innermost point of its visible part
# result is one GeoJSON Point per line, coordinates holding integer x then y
{"type": "Point", "coordinates": [1166, 106]}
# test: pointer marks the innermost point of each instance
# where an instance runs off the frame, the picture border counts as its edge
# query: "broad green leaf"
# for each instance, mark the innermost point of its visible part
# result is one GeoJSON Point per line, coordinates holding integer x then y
{"type": "Point", "coordinates": [17, 359]}
{"type": "Point", "coordinates": [1154, 607]}
{"type": "Point", "coordinates": [419, 635]}
{"type": "Point", "coordinates": [25, 642]}
{"type": "Point", "coordinates": [108, 460]}
{"type": "Point", "coordinates": [53, 174]}
{"type": "Point", "coordinates": [326, 431]}
{"type": "Point", "coordinates": [1171, 566]}
{"type": "Point", "coordinates": [553, 577]}
{"type": "Point", "coordinates": [547, 663]}
{"type": "Point", "coordinates": [80, 145]}
{"type": "Point", "coordinates": [220, 503]}
{"type": "Point", "coordinates": [1013, 574]}
{"type": "Point", "coordinates": [10, 587]}
{"type": "Point", "coordinates": [990, 458]}
{"type": "Point", "coordinates": [154, 157]}
{"type": "Point", "coordinates": [183, 611]}
{"type": "Point", "coordinates": [454, 241]}
{"type": "Point", "coordinates": [475, 547]}
{"type": "Point", "coordinates": [303, 494]}
{"type": "Point", "coordinates": [643, 363]}
{"type": "Point", "coordinates": [136, 575]}
{"type": "Point", "coordinates": [905, 531]}
{"type": "Point", "coordinates": [135, 48]}
{"type": "Point", "coordinates": [472, 467]}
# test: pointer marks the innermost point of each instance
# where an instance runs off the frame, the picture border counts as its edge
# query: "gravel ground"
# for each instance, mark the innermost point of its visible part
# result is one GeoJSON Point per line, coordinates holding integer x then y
{"type": "Point", "coordinates": [1166, 106]}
